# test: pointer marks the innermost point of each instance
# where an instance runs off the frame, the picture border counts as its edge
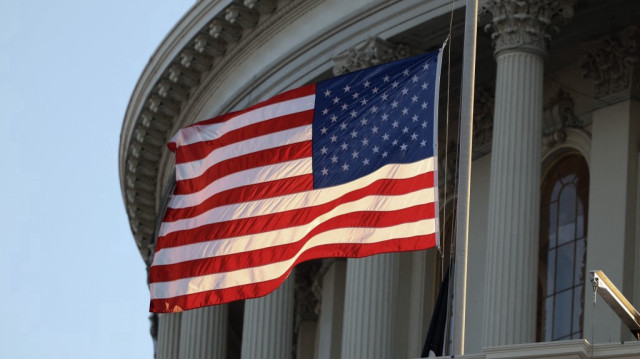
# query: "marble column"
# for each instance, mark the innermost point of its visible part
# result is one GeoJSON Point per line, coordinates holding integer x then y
{"type": "Point", "coordinates": [168, 335]}
{"type": "Point", "coordinates": [268, 324]}
{"type": "Point", "coordinates": [203, 333]}
{"type": "Point", "coordinates": [369, 307]}
{"type": "Point", "coordinates": [329, 332]}
{"type": "Point", "coordinates": [520, 31]}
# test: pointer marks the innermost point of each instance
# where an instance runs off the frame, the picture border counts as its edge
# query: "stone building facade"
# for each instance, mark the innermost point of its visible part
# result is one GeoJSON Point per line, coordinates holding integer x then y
{"type": "Point", "coordinates": [554, 186]}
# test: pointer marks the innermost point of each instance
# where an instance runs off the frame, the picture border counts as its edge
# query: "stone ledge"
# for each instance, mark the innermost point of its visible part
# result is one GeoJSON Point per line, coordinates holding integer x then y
{"type": "Point", "coordinates": [566, 349]}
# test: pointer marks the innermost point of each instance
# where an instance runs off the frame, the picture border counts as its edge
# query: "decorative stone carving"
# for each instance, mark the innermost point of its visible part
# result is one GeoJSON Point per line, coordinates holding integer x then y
{"type": "Point", "coordinates": [615, 66]}
{"type": "Point", "coordinates": [163, 106]}
{"type": "Point", "coordinates": [553, 139]}
{"type": "Point", "coordinates": [154, 137]}
{"type": "Point", "coordinates": [374, 51]}
{"type": "Point", "coordinates": [143, 167]}
{"type": "Point", "coordinates": [524, 24]}
{"type": "Point", "coordinates": [559, 113]}
{"type": "Point", "coordinates": [224, 30]}
{"type": "Point", "coordinates": [205, 44]}
{"type": "Point", "coordinates": [172, 90]}
{"type": "Point", "coordinates": [138, 150]}
{"type": "Point", "coordinates": [240, 15]}
{"type": "Point", "coordinates": [192, 59]}
{"type": "Point", "coordinates": [150, 119]}
{"type": "Point", "coordinates": [263, 6]}
{"type": "Point", "coordinates": [482, 121]}
{"type": "Point", "coordinates": [180, 74]}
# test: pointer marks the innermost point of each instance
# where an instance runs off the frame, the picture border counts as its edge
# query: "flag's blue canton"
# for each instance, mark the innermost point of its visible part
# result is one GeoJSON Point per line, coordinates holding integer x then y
{"type": "Point", "coordinates": [370, 118]}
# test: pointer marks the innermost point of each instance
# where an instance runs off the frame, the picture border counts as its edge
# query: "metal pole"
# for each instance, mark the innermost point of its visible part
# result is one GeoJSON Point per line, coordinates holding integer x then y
{"type": "Point", "coordinates": [464, 183]}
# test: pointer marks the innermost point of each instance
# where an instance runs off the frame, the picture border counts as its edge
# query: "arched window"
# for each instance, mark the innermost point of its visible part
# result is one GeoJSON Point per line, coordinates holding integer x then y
{"type": "Point", "coordinates": [563, 243]}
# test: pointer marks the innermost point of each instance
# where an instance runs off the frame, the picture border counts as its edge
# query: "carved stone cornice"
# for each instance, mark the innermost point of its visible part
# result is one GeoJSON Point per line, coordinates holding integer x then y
{"type": "Point", "coordinates": [374, 51]}
{"type": "Point", "coordinates": [146, 133]}
{"type": "Point", "coordinates": [263, 6]}
{"type": "Point", "coordinates": [615, 66]}
{"type": "Point", "coordinates": [559, 113]}
{"type": "Point", "coordinates": [525, 24]}
{"type": "Point", "coordinates": [241, 15]}
{"type": "Point", "coordinates": [222, 29]}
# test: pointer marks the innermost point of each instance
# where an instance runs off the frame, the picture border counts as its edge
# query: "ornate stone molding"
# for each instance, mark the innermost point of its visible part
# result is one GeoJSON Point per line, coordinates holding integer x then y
{"type": "Point", "coordinates": [562, 129]}
{"type": "Point", "coordinates": [144, 149]}
{"type": "Point", "coordinates": [573, 139]}
{"type": "Point", "coordinates": [374, 51]}
{"type": "Point", "coordinates": [615, 65]}
{"type": "Point", "coordinates": [262, 6]}
{"type": "Point", "coordinates": [524, 24]}
{"type": "Point", "coordinates": [558, 114]}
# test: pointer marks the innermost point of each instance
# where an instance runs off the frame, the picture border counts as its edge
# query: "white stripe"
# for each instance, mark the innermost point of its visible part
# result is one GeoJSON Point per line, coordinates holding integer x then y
{"type": "Point", "coordinates": [289, 235]}
{"type": "Point", "coordinates": [243, 178]}
{"type": "Point", "coordinates": [289, 202]}
{"type": "Point", "coordinates": [198, 133]}
{"type": "Point", "coordinates": [161, 290]}
{"type": "Point", "coordinates": [196, 168]}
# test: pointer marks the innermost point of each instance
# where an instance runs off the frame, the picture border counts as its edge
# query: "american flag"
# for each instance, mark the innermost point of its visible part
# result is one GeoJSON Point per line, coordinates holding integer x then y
{"type": "Point", "coordinates": [342, 168]}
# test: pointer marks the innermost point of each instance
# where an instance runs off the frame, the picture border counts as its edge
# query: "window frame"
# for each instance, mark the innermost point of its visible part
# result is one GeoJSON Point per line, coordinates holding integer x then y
{"type": "Point", "coordinates": [570, 163]}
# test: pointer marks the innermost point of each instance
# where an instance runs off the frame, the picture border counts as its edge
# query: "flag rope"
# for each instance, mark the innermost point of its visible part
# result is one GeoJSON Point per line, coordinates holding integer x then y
{"type": "Point", "coordinates": [441, 247]}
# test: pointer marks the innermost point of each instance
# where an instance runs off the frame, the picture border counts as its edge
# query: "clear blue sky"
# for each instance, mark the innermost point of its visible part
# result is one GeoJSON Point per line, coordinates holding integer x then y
{"type": "Point", "coordinates": [72, 284]}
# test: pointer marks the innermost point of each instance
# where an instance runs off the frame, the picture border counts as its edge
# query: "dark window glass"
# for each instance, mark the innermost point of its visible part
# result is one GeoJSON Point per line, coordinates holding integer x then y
{"type": "Point", "coordinates": [563, 240]}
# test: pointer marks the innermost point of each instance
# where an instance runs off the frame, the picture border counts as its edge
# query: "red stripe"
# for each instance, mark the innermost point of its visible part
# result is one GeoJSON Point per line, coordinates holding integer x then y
{"type": "Point", "coordinates": [297, 217]}
{"type": "Point", "coordinates": [294, 151]}
{"type": "Point", "coordinates": [245, 194]}
{"type": "Point", "coordinates": [221, 296]}
{"type": "Point", "coordinates": [226, 263]}
{"type": "Point", "coordinates": [199, 150]}
{"type": "Point", "coordinates": [285, 96]}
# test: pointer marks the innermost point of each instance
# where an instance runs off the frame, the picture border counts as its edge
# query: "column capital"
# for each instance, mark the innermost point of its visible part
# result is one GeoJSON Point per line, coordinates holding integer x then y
{"type": "Point", "coordinates": [374, 51]}
{"type": "Point", "coordinates": [525, 25]}
{"type": "Point", "coordinates": [615, 65]}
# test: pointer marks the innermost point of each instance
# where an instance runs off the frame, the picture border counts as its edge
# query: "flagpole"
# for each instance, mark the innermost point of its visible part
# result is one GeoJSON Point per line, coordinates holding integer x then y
{"type": "Point", "coordinates": [464, 183]}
